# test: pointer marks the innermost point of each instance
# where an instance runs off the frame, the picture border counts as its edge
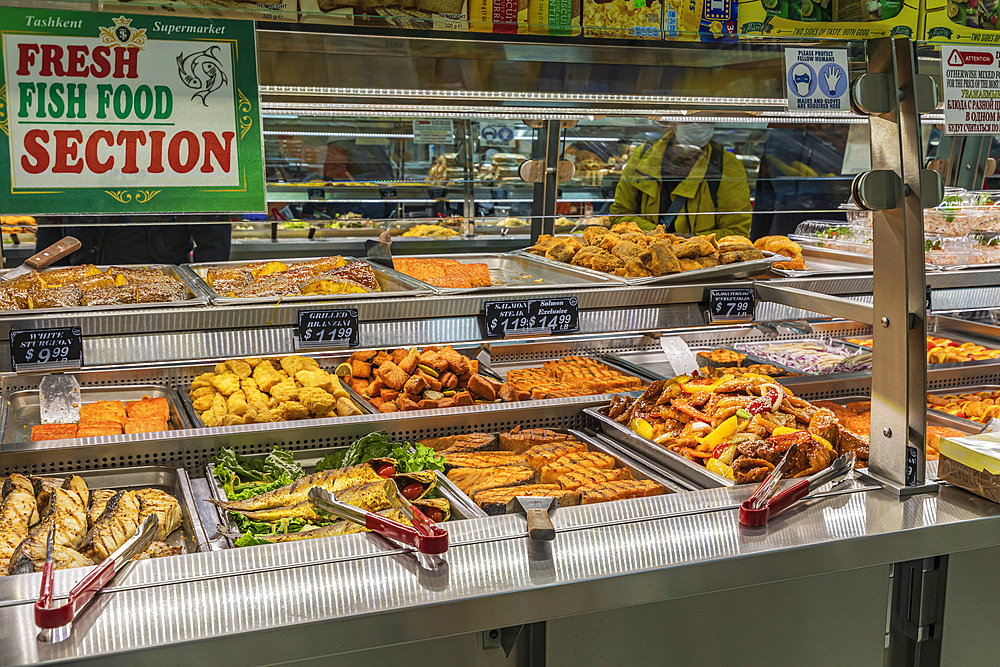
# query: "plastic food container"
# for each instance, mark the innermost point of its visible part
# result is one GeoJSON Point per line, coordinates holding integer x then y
{"type": "Point", "coordinates": [834, 235]}
{"type": "Point", "coordinates": [985, 248]}
{"type": "Point", "coordinates": [948, 250]}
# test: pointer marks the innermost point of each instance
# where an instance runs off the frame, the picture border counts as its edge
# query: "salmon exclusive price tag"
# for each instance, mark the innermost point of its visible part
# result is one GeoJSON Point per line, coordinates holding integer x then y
{"type": "Point", "coordinates": [109, 114]}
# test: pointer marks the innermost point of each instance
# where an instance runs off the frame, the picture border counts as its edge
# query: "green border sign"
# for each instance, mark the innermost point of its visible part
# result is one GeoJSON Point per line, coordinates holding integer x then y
{"type": "Point", "coordinates": [128, 114]}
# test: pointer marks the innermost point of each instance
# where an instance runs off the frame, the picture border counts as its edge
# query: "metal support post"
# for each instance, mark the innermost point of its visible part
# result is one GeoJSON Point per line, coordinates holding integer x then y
{"type": "Point", "coordinates": [893, 190]}
{"type": "Point", "coordinates": [468, 181]}
{"type": "Point", "coordinates": [543, 207]}
{"type": "Point", "coordinates": [917, 613]}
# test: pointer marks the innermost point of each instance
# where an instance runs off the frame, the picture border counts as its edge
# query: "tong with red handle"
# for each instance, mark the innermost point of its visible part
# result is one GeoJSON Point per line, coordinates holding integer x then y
{"type": "Point", "coordinates": [762, 505]}
{"type": "Point", "coordinates": [424, 535]}
{"type": "Point", "coordinates": [49, 617]}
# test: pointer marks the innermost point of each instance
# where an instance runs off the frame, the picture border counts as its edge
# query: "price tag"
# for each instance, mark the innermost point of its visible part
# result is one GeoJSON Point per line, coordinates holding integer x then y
{"type": "Point", "coordinates": [731, 305]}
{"type": "Point", "coordinates": [531, 317]}
{"type": "Point", "coordinates": [328, 328]}
{"type": "Point", "coordinates": [911, 465]}
{"type": "Point", "coordinates": [387, 193]}
{"type": "Point", "coordinates": [46, 350]}
{"type": "Point", "coordinates": [317, 193]}
{"type": "Point", "coordinates": [927, 303]}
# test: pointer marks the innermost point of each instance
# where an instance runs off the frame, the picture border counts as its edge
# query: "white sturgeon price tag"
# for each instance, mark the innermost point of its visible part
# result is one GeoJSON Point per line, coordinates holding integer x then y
{"type": "Point", "coordinates": [680, 356]}
{"type": "Point", "coordinates": [530, 317]}
{"type": "Point", "coordinates": [731, 305]}
{"type": "Point", "coordinates": [46, 350]}
{"type": "Point", "coordinates": [328, 328]}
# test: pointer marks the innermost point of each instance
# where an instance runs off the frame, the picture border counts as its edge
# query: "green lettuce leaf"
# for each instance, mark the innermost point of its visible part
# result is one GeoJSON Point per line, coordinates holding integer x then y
{"type": "Point", "coordinates": [281, 463]}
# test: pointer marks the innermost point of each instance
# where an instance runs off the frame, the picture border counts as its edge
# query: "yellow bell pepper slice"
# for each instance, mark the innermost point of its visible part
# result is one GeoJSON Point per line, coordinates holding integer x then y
{"type": "Point", "coordinates": [722, 432]}
{"type": "Point", "coordinates": [720, 468]}
{"type": "Point", "coordinates": [689, 388]}
{"type": "Point", "coordinates": [642, 427]}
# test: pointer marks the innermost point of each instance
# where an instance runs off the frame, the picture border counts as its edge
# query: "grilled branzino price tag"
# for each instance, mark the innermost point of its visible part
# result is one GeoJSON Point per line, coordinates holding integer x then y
{"type": "Point", "coordinates": [731, 305]}
{"type": "Point", "coordinates": [328, 328]}
{"type": "Point", "coordinates": [529, 317]}
{"type": "Point", "coordinates": [46, 350]}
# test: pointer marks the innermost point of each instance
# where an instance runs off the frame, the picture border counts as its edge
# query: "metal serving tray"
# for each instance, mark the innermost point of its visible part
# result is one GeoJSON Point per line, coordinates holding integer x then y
{"type": "Point", "coordinates": [828, 262]}
{"type": "Point", "coordinates": [835, 342]}
{"type": "Point", "coordinates": [520, 272]}
{"type": "Point", "coordinates": [699, 475]}
{"type": "Point", "coordinates": [461, 506]}
{"type": "Point", "coordinates": [175, 481]}
{"type": "Point", "coordinates": [959, 390]}
{"type": "Point", "coordinates": [197, 296]}
{"type": "Point", "coordinates": [655, 365]}
{"type": "Point", "coordinates": [22, 409]}
{"type": "Point", "coordinates": [196, 421]}
{"type": "Point", "coordinates": [640, 469]}
{"type": "Point", "coordinates": [500, 369]}
{"type": "Point", "coordinates": [954, 336]}
{"type": "Point", "coordinates": [729, 271]}
{"type": "Point", "coordinates": [393, 283]}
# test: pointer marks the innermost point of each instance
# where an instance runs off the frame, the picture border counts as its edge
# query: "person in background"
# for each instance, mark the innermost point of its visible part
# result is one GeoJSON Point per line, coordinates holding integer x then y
{"type": "Point", "coordinates": [685, 182]}
{"type": "Point", "coordinates": [147, 243]}
{"type": "Point", "coordinates": [800, 178]}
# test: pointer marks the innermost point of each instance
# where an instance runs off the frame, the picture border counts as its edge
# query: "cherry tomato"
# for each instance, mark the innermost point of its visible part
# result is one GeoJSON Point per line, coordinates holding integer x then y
{"type": "Point", "coordinates": [434, 514]}
{"type": "Point", "coordinates": [387, 471]}
{"type": "Point", "coordinates": [412, 491]}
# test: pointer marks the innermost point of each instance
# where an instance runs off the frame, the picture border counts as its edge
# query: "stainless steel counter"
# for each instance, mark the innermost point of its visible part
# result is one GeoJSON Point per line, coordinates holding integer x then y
{"type": "Point", "coordinates": [295, 601]}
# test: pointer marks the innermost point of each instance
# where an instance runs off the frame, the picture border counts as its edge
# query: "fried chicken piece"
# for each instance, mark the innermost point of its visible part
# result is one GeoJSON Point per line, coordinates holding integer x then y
{"type": "Point", "coordinates": [285, 390]}
{"type": "Point", "coordinates": [585, 258]}
{"type": "Point", "coordinates": [607, 263]}
{"type": "Point", "coordinates": [240, 368]}
{"type": "Point", "coordinates": [316, 400]}
{"type": "Point", "coordinates": [226, 384]}
{"type": "Point", "coordinates": [696, 246]}
{"type": "Point", "coordinates": [214, 415]}
{"type": "Point", "coordinates": [593, 235]}
{"type": "Point", "coordinates": [625, 227]}
{"type": "Point", "coordinates": [564, 249]}
{"type": "Point", "coordinates": [609, 241]}
{"type": "Point", "coordinates": [627, 251]}
{"type": "Point", "coordinates": [636, 269]}
{"type": "Point", "coordinates": [689, 265]}
{"type": "Point", "coordinates": [660, 259]}
{"type": "Point", "coordinates": [234, 420]}
{"type": "Point", "coordinates": [266, 376]}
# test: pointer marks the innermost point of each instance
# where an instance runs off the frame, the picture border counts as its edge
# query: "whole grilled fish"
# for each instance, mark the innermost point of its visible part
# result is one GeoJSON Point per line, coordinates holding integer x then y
{"type": "Point", "coordinates": [159, 550]}
{"type": "Point", "coordinates": [164, 506]}
{"type": "Point", "coordinates": [116, 524]}
{"type": "Point", "coordinates": [17, 512]}
{"type": "Point", "coordinates": [291, 494]}
{"type": "Point", "coordinates": [300, 510]}
{"type": "Point", "coordinates": [342, 527]}
{"type": "Point", "coordinates": [369, 497]}
{"type": "Point", "coordinates": [68, 513]}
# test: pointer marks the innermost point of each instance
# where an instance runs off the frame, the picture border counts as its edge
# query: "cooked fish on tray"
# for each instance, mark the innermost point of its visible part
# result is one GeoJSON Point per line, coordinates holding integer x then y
{"type": "Point", "coordinates": [89, 524]}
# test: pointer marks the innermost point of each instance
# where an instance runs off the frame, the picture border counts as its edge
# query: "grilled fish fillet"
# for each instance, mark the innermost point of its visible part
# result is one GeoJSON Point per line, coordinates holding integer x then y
{"type": "Point", "coordinates": [620, 490]}
{"type": "Point", "coordinates": [44, 487]}
{"type": "Point", "coordinates": [483, 460]}
{"type": "Point", "coordinates": [68, 513]}
{"type": "Point", "coordinates": [542, 455]}
{"type": "Point", "coordinates": [98, 499]}
{"type": "Point", "coordinates": [471, 480]}
{"type": "Point", "coordinates": [115, 525]}
{"type": "Point", "coordinates": [469, 442]}
{"type": "Point", "coordinates": [494, 501]}
{"type": "Point", "coordinates": [17, 512]}
{"type": "Point", "coordinates": [582, 476]}
{"type": "Point", "coordinates": [158, 549]}
{"type": "Point", "coordinates": [164, 506]}
{"type": "Point", "coordinates": [291, 494]}
{"type": "Point", "coordinates": [521, 440]}
{"type": "Point", "coordinates": [553, 471]}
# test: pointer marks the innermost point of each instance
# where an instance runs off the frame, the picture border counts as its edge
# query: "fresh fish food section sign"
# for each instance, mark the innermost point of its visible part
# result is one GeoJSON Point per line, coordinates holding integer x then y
{"type": "Point", "coordinates": [128, 114]}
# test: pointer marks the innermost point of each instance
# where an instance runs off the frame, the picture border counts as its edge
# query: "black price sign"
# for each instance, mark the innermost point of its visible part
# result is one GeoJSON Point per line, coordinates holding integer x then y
{"type": "Point", "coordinates": [329, 328]}
{"type": "Point", "coordinates": [911, 465]}
{"type": "Point", "coordinates": [387, 193]}
{"type": "Point", "coordinates": [45, 350]}
{"type": "Point", "coordinates": [531, 317]}
{"type": "Point", "coordinates": [728, 305]}
{"type": "Point", "coordinates": [927, 303]}
{"type": "Point", "coordinates": [317, 193]}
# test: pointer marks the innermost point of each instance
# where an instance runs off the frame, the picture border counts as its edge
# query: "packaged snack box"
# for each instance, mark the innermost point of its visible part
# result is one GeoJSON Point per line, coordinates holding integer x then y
{"type": "Point", "coordinates": [700, 20]}
{"type": "Point", "coordinates": [623, 19]}
{"type": "Point", "coordinates": [972, 21]}
{"type": "Point", "coordinates": [554, 17]}
{"type": "Point", "coordinates": [973, 463]}
{"type": "Point", "coordinates": [841, 19]}
{"type": "Point", "coordinates": [500, 16]}
{"type": "Point", "coordinates": [264, 10]}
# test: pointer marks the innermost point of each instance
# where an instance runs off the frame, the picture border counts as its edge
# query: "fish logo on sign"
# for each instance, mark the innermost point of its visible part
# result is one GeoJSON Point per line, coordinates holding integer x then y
{"type": "Point", "coordinates": [202, 72]}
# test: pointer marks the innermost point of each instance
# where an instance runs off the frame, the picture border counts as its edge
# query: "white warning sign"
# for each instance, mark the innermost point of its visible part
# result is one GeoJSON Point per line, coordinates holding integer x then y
{"type": "Point", "coordinates": [971, 89]}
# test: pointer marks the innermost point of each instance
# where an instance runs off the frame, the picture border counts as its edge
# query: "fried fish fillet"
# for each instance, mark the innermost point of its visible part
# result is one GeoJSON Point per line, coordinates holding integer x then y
{"type": "Point", "coordinates": [472, 480]}
{"type": "Point", "coordinates": [619, 490]}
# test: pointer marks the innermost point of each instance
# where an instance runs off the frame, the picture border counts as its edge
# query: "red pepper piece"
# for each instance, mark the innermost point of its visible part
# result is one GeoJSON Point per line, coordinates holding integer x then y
{"type": "Point", "coordinates": [694, 413]}
{"type": "Point", "coordinates": [785, 442]}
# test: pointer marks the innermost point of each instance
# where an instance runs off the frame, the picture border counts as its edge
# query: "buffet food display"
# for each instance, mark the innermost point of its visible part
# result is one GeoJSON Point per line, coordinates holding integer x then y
{"type": "Point", "coordinates": [327, 275]}
{"type": "Point", "coordinates": [945, 350]}
{"type": "Point", "coordinates": [90, 286]}
{"type": "Point", "coordinates": [979, 406]}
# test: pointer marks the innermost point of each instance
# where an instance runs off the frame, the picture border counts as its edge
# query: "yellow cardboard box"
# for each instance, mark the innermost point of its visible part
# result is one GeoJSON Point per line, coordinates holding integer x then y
{"type": "Point", "coordinates": [840, 19]}
{"type": "Point", "coordinates": [554, 17]}
{"type": "Point", "coordinates": [413, 14]}
{"type": "Point", "coordinates": [623, 19]}
{"type": "Point", "coordinates": [700, 20]}
{"type": "Point", "coordinates": [969, 21]}
{"type": "Point", "coordinates": [500, 16]}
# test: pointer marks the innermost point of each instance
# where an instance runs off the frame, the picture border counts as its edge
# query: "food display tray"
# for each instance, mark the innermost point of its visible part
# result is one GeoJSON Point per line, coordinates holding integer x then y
{"type": "Point", "coordinates": [523, 272]}
{"type": "Point", "coordinates": [728, 271]}
{"type": "Point", "coordinates": [639, 468]}
{"type": "Point", "coordinates": [655, 365]}
{"type": "Point", "coordinates": [175, 481]}
{"type": "Point", "coordinates": [196, 421]}
{"type": "Point", "coordinates": [953, 336]}
{"type": "Point", "coordinates": [23, 411]}
{"type": "Point", "coordinates": [960, 390]}
{"type": "Point", "coordinates": [836, 342]}
{"type": "Point", "coordinates": [197, 294]}
{"type": "Point", "coordinates": [461, 506]}
{"type": "Point", "coordinates": [499, 370]}
{"type": "Point", "coordinates": [393, 283]}
{"type": "Point", "coordinates": [828, 262]}
{"type": "Point", "coordinates": [699, 475]}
